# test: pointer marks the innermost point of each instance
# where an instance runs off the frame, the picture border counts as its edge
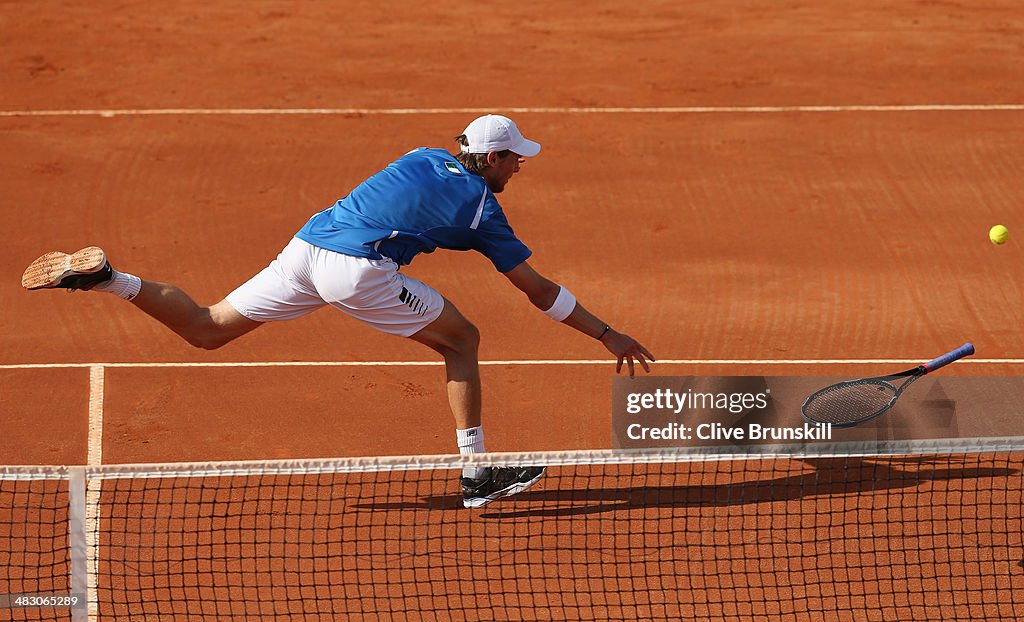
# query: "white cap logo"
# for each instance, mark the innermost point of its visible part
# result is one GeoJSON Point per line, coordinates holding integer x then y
{"type": "Point", "coordinates": [494, 132]}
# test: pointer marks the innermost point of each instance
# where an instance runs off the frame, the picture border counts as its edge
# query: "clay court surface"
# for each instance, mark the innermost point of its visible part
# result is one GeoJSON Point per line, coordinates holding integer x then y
{"type": "Point", "coordinates": [687, 193]}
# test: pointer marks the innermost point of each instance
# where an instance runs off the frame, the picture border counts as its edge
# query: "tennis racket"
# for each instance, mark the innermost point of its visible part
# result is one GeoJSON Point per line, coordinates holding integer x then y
{"type": "Point", "coordinates": [853, 402]}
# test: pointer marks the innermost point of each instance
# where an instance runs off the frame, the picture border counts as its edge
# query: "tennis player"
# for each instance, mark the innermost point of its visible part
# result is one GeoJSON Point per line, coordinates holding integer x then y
{"type": "Point", "coordinates": [348, 256]}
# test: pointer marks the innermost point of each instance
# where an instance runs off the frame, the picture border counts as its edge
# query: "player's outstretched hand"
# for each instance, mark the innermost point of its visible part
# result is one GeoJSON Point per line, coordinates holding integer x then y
{"type": "Point", "coordinates": [627, 349]}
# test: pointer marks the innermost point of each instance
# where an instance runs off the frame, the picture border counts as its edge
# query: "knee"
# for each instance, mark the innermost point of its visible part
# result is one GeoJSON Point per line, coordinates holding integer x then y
{"type": "Point", "coordinates": [208, 341]}
{"type": "Point", "coordinates": [470, 337]}
{"type": "Point", "coordinates": [207, 333]}
{"type": "Point", "coordinates": [464, 340]}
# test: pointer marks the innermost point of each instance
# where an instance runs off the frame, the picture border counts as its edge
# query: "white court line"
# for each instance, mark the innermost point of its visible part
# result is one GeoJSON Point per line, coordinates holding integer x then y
{"type": "Point", "coordinates": [94, 457]}
{"type": "Point", "coordinates": [606, 362]}
{"type": "Point", "coordinates": [109, 113]}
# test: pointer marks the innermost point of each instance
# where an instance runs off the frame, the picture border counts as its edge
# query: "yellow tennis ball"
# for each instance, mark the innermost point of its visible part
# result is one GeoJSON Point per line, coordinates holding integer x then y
{"type": "Point", "coordinates": [998, 234]}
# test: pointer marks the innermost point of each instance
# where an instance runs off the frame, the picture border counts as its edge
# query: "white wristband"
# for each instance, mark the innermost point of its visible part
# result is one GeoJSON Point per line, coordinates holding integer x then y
{"type": "Point", "coordinates": [564, 304]}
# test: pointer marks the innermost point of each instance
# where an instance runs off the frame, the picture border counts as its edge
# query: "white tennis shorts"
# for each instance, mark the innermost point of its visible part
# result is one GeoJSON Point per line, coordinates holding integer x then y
{"type": "Point", "coordinates": [304, 278]}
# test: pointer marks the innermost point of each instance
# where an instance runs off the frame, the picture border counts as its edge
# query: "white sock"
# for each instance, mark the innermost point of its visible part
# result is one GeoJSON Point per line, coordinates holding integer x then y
{"type": "Point", "coordinates": [126, 286]}
{"type": "Point", "coordinates": [471, 441]}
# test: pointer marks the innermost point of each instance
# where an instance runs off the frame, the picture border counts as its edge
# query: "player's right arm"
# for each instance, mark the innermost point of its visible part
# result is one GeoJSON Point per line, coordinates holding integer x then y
{"type": "Point", "coordinates": [546, 295]}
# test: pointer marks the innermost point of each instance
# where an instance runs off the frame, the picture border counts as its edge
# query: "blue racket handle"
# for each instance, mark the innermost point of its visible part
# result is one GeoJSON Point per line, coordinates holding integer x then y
{"type": "Point", "coordinates": [965, 350]}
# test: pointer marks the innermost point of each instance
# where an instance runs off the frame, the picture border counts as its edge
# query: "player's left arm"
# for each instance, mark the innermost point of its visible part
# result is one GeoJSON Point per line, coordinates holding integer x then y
{"type": "Point", "coordinates": [556, 301]}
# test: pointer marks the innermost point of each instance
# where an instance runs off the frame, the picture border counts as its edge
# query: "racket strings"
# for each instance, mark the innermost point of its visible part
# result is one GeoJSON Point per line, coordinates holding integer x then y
{"type": "Point", "coordinates": [850, 402]}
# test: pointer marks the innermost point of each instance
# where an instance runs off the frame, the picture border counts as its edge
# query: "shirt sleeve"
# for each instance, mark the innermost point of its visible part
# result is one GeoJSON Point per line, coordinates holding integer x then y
{"type": "Point", "coordinates": [495, 239]}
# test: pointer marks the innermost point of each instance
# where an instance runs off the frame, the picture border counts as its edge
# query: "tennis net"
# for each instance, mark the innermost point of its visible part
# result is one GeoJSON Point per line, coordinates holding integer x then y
{"type": "Point", "coordinates": [920, 530]}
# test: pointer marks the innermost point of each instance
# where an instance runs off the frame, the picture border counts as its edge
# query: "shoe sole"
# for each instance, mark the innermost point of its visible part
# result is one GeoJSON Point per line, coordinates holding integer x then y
{"type": "Point", "coordinates": [51, 268]}
{"type": "Point", "coordinates": [479, 502]}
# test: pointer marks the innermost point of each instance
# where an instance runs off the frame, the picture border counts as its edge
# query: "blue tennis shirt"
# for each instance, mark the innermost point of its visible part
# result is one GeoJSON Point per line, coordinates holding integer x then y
{"type": "Point", "coordinates": [423, 201]}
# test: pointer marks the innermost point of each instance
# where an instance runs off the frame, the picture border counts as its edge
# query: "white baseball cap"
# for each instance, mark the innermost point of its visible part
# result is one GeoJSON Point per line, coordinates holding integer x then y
{"type": "Point", "coordinates": [494, 132]}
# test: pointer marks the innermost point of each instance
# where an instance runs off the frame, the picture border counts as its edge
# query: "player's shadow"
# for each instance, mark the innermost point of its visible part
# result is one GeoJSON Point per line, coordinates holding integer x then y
{"type": "Point", "coordinates": [830, 477]}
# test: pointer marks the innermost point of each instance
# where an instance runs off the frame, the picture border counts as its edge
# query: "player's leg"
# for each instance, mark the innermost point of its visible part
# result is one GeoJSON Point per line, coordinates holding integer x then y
{"type": "Point", "coordinates": [376, 293]}
{"type": "Point", "coordinates": [457, 340]}
{"type": "Point", "coordinates": [89, 269]}
{"type": "Point", "coordinates": [203, 327]}
{"type": "Point", "coordinates": [276, 293]}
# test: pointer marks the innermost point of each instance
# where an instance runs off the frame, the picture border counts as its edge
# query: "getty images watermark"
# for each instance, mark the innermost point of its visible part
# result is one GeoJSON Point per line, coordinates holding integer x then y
{"type": "Point", "coordinates": [662, 401]}
{"type": "Point", "coordinates": [701, 411]}
{"type": "Point", "coordinates": [754, 411]}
